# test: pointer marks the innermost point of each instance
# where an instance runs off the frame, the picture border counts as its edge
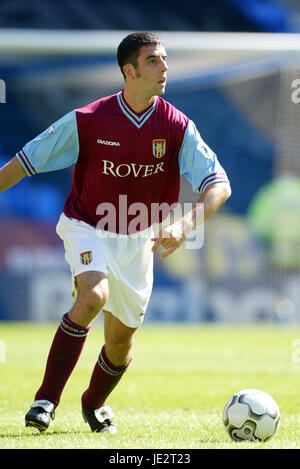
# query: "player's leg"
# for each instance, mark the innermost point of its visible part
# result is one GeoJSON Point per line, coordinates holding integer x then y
{"type": "Point", "coordinates": [113, 361]}
{"type": "Point", "coordinates": [130, 284]}
{"type": "Point", "coordinates": [67, 345]}
{"type": "Point", "coordinates": [92, 295]}
{"type": "Point", "coordinates": [119, 340]}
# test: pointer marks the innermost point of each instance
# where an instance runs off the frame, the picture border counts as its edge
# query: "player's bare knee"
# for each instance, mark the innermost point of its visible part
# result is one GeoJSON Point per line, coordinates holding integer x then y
{"type": "Point", "coordinates": [95, 298]}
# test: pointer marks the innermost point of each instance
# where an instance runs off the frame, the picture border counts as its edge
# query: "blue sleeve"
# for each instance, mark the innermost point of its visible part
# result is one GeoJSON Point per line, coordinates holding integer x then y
{"type": "Point", "coordinates": [198, 162]}
{"type": "Point", "coordinates": [55, 148]}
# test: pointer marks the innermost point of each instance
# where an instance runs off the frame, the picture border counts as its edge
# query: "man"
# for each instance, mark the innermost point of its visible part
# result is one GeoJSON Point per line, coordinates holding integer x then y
{"type": "Point", "coordinates": [134, 145]}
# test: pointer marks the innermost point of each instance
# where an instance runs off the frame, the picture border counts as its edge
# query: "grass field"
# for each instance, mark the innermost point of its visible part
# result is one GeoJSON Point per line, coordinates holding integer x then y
{"type": "Point", "coordinates": [171, 398]}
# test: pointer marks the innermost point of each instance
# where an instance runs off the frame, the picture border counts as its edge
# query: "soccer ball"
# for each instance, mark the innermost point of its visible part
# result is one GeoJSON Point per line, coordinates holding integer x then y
{"type": "Point", "coordinates": [251, 415]}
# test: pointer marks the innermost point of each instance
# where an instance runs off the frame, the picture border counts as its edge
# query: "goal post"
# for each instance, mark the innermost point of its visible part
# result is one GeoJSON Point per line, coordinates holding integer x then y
{"type": "Point", "coordinates": [36, 41]}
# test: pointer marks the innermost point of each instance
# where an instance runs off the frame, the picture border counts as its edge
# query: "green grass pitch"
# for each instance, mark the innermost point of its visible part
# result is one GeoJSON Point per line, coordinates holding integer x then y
{"type": "Point", "coordinates": [173, 395]}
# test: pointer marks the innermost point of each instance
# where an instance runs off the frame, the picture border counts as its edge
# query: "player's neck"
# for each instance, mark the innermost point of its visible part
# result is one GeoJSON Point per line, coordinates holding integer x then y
{"type": "Point", "coordinates": [137, 102]}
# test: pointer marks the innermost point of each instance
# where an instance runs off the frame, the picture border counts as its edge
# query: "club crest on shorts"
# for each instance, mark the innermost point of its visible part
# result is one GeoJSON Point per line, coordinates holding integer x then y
{"type": "Point", "coordinates": [158, 147]}
{"type": "Point", "coordinates": [86, 257]}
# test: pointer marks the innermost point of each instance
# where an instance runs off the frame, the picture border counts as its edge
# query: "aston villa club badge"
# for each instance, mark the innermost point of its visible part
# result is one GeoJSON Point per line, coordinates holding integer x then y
{"type": "Point", "coordinates": [86, 257]}
{"type": "Point", "coordinates": [158, 147]}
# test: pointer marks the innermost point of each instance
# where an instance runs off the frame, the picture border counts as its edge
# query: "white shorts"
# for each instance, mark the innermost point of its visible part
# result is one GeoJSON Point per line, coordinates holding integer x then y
{"type": "Point", "coordinates": [126, 260]}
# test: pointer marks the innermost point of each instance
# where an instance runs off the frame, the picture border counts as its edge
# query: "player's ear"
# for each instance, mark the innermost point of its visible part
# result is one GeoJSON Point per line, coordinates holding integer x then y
{"type": "Point", "coordinates": [129, 71]}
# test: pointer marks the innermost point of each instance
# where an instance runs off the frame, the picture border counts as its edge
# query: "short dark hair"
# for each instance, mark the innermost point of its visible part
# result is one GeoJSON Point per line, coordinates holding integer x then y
{"type": "Point", "coordinates": [129, 48]}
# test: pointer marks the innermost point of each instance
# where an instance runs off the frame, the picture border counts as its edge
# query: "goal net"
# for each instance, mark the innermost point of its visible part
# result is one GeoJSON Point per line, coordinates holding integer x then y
{"type": "Point", "coordinates": [243, 93]}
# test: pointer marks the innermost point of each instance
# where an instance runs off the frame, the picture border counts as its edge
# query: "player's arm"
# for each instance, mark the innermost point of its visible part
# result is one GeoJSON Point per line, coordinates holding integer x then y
{"type": "Point", "coordinates": [208, 203]}
{"type": "Point", "coordinates": [202, 169]}
{"type": "Point", "coordinates": [55, 148]}
{"type": "Point", "coordinates": [11, 173]}
{"type": "Point", "coordinates": [174, 235]}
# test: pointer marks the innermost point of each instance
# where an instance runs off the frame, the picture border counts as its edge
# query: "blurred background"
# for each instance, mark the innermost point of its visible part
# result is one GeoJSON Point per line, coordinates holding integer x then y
{"type": "Point", "coordinates": [233, 69]}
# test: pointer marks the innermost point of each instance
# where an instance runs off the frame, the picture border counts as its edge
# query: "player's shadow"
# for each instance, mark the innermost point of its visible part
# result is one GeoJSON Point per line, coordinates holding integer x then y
{"type": "Point", "coordinates": [50, 433]}
{"type": "Point", "coordinates": [213, 441]}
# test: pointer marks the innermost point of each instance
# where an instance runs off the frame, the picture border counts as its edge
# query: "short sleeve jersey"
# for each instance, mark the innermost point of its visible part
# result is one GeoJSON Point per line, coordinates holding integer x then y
{"type": "Point", "coordinates": [123, 160]}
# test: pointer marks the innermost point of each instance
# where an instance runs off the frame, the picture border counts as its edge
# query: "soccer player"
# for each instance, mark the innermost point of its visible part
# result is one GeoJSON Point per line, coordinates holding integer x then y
{"type": "Point", "coordinates": [128, 151]}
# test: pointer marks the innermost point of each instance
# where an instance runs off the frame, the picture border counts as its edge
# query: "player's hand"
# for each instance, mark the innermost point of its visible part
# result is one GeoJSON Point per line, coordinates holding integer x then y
{"type": "Point", "coordinates": [170, 238]}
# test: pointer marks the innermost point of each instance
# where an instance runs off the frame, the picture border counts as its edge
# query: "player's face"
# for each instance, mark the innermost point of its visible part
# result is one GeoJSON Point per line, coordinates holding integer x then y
{"type": "Point", "coordinates": [151, 70]}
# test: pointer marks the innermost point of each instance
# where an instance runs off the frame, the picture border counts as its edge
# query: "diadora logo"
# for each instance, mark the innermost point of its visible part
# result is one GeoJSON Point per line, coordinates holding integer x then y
{"type": "Point", "coordinates": [107, 142]}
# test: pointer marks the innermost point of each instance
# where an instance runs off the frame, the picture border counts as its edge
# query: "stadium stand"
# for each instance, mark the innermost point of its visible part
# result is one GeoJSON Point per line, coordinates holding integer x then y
{"type": "Point", "coordinates": [220, 15]}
